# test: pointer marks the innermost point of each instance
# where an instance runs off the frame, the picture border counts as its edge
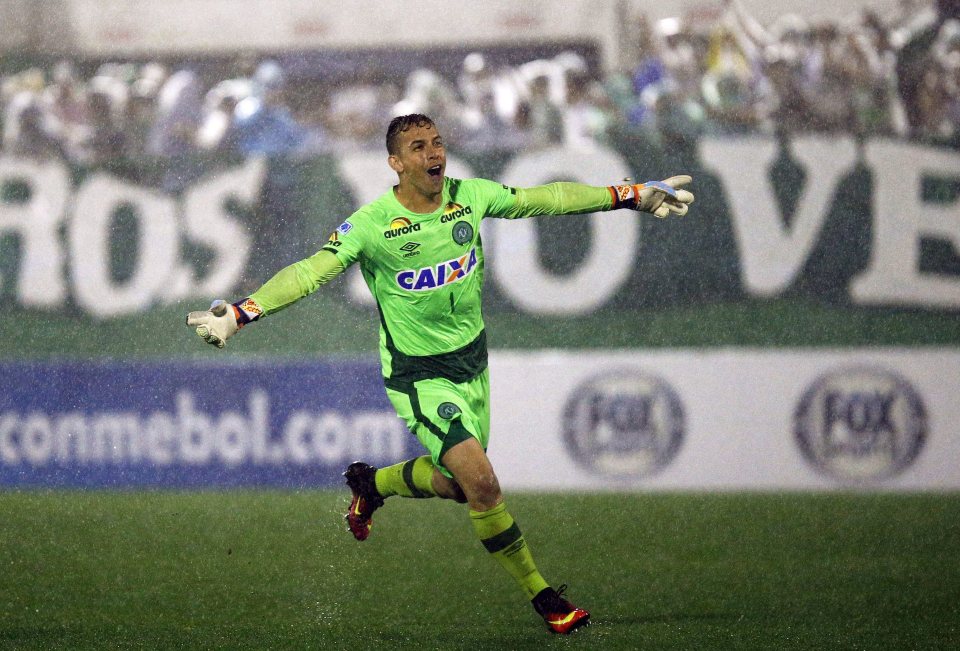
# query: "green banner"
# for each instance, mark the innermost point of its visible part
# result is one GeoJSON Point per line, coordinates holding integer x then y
{"type": "Point", "coordinates": [810, 242]}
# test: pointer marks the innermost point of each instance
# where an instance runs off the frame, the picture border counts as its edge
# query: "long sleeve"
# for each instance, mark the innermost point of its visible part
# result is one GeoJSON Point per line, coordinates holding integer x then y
{"type": "Point", "coordinates": [295, 281]}
{"type": "Point", "coordinates": [561, 198]}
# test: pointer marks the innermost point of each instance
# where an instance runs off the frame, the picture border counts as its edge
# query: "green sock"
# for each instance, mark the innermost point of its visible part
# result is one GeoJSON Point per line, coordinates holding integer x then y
{"type": "Point", "coordinates": [502, 538]}
{"type": "Point", "coordinates": [413, 478]}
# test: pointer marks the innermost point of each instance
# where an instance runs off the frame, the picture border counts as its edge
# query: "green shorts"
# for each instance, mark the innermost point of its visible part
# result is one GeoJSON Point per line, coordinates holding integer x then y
{"type": "Point", "coordinates": [441, 413]}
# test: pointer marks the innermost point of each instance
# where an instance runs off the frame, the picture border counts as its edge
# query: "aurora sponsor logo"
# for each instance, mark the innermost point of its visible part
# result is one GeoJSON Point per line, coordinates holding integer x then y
{"type": "Point", "coordinates": [445, 273]}
{"type": "Point", "coordinates": [454, 211]}
{"type": "Point", "coordinates": [400, 226]}
{"type": "Point", "coordinates": [860, 424]}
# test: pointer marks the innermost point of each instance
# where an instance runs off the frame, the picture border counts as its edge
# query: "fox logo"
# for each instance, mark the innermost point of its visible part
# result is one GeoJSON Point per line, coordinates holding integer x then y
{"type": "Point", "coordinates": [445, 273]}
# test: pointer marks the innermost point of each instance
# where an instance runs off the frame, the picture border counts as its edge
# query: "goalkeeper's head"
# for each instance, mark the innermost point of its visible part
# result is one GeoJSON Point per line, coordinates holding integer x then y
{"type": "Point", "coordinates": [417, 155]}
{"type": "Point", "coordinates": [402, 123]}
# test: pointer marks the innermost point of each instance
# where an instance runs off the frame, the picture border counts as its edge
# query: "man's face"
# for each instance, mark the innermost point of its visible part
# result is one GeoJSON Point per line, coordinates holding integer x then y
{"type": "Point", "coordinates": [421, 159]}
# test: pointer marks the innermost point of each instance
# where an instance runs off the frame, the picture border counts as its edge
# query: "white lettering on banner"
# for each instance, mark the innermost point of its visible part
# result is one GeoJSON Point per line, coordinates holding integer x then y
{"type": "Point", "coordinates": [37, 221]}
{"type": "Point", "coordinates": [71, 438]}
{"type": "Point", "coordinates": [37, 440]}
{"type": "Point", "coordinates": [611, 251]}
{"type": "Point", "coordinates": [296, 432]}
{"type": "Point", "coordinates": [328, 443]}
{"type": "Point", "coordinates": [378, 432]}
{"type": "Point", "coordinates": [191, 436]}
{"type": "Point", "coordinates": [328, 437]}
{"type": "Point", "coordinates": [207, 222]}
{"type": "Point", "coordinates": [196, 440]}
{"type": "Point", "coordinates": [116, 437]}
{"type": "Point", "coordinates": [89, 238]}
{"type": "Point", "coordinates": [158, 274]}
{"type": "Point", "coordinates": [901, 221]}
{"type": "Point", "coordinates": [159, 435]}
{"type": "Point", "coordinates": [772, 253]}
{"type": "Point", "coordinates": [231, 441]}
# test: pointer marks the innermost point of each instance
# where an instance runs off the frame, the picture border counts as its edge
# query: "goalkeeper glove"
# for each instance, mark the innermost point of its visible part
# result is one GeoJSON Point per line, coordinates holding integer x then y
{"type": "Point", "coordinates": [223, 320]}
{"type": "Point", "coordinates": [657, 197]}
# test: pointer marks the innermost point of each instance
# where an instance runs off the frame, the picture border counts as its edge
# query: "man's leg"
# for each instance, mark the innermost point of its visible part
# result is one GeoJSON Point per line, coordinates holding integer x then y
{"type": "Point", "coordinates": [452, 422]}
{"type": "Point", "coordinates": [416, 478]}
{"type": "Point", "coordinates": [501, 536]}
{"type": "Point", "coordinates": [495, 527]}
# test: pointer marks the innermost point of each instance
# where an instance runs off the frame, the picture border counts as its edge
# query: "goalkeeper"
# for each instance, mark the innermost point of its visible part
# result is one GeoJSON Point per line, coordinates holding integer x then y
{"type": "Point", "coordinates": [419, 250]}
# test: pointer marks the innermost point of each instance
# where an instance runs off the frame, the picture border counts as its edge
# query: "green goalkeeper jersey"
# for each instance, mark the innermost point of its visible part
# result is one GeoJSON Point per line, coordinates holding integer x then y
{"type": "Point", "coordinates": [425, 271]}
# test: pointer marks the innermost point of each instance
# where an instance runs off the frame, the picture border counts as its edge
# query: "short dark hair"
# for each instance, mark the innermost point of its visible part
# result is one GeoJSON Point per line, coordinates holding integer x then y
{"type": "Point", "coordinates": [400, 124]}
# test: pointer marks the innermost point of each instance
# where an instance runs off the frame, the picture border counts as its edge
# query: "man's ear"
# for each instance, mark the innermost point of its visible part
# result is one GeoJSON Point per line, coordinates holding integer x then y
{"type": "Point", "coordinates": [394, 163]}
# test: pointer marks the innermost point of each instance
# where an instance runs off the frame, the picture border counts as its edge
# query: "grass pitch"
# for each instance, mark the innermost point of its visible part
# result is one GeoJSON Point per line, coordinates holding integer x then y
{"type": "Point", "coordinates": [276, 570]}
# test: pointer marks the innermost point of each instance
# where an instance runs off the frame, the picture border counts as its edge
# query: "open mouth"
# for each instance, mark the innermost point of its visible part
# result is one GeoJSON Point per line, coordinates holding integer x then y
{"type": "Point", "coordinates": [436, 170]}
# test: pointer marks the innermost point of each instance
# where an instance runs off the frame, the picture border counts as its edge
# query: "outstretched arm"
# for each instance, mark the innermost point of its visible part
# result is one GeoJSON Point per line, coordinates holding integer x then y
{"type": "Point", "coordinates": [295, 281]}
{"type": "Point", "coordinates": [565, 198]}
{"type": "Point", "coordinates": [288, 286]}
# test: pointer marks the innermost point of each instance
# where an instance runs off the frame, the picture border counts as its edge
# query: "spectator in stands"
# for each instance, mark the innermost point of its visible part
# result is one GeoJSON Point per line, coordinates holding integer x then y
{"type": "Point", "coordinates": [897, 75]}
{"type": "Point", "coordinates": [27, 132]}
{"type": "Point", "coordinates": [489, 131]}
{"type": "Point", "coordinates": [648, 72]}
{"type": "Point", "coordinates": [586, 121]}
{"type": "Point", "coordinates": [784, 105]}
{"type": "Point", "coordinates": [427, 92]}
{"type": "Point", "coordinates": [216, 131]}
{"type": "Point", "coordinates": [932, 117]}
{"type": "Point", "coordinates": [728, 86]}
{"type": "Point", "coordinates": [64, 106]}
{"type": "Point", "coordinates": [883, 112]}
{"type": "Point", "coordinates": [178, 116]}
{"type": "Point", "coordinates": [173, 134]}
{"type": "Point", "coordinates": [357, 111]}
{"type": "Point", "coordinates": [543, 119]}
{"type": "Point", "coordinates": [829, 78]}
{"type": "Point", "coordinates": [264, 124]}
{"type": "Point", "coordinates": [106, 140]}
{"type": "Point", "coordinates": [140, 113]}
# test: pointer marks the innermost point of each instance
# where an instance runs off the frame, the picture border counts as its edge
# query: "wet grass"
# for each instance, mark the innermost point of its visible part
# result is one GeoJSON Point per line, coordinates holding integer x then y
{"type": "Point", "coordinates": [275, 570]}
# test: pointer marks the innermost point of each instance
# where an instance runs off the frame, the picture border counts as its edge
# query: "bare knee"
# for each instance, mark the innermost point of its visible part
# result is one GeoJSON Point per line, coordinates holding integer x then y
{"type": "Point", "coordinates": [484, 491]}
{"type": "Point", "coordinates": [471, 468]}
{"type": "Point", "coordinates": [447, 488]}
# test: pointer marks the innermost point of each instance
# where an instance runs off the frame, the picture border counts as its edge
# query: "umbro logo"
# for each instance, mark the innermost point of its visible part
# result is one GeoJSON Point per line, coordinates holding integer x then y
{"type": "Point", "coordinates": [410, 249]}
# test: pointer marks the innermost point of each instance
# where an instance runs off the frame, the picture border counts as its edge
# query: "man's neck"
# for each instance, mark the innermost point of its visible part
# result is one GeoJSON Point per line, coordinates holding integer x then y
{"type": "Point", "coordinates": [415, 201]}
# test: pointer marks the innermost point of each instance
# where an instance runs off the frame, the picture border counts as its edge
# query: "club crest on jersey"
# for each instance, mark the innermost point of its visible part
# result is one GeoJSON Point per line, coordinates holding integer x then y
{"type": "Point", "coordinates": [462, 232]}
{"type": "Point", "coordinates": [454, 211]}
{"type": "Point", "coordinates": [445, 273]}
{"type": "Point", "coordinates": [400, 226]}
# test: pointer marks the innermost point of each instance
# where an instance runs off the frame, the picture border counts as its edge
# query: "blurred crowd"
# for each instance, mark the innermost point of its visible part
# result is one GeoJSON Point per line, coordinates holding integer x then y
{"type": "Point", "coordinates": [894, 76]}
